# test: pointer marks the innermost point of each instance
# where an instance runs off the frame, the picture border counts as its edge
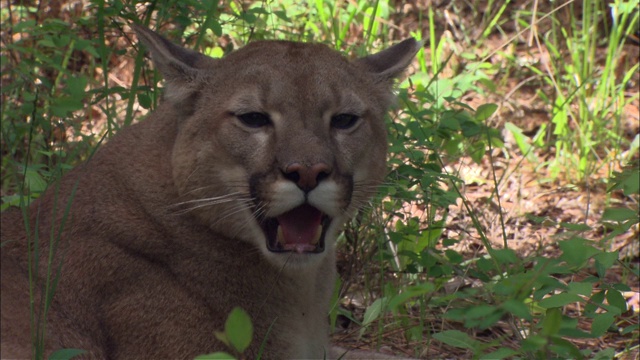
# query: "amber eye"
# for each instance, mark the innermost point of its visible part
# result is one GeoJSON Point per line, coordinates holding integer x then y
{"type": "Point", "coordinates": [254, 119]}
{"type": "Point", "coordinates": [344, 121]}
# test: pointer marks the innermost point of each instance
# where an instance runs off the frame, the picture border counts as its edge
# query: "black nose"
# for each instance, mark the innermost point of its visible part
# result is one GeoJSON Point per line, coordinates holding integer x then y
{"type": "Point", "coordinates": [307, 177]}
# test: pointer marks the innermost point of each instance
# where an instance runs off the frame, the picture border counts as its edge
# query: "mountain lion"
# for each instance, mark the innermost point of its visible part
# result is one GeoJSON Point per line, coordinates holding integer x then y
{"type": "Point", "coordinates": [231, 193]}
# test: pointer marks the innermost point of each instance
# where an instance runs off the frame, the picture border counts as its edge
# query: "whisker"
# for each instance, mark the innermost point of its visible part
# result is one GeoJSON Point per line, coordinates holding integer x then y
{"type": "Point", "coordinates": [227, 197]}
{"type": "Point", "coordinates": [236, 209]}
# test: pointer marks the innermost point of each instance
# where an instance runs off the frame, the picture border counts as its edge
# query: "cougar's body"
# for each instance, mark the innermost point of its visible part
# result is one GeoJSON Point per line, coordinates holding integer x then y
{"type": "Point", "coordinates": [231, 193]}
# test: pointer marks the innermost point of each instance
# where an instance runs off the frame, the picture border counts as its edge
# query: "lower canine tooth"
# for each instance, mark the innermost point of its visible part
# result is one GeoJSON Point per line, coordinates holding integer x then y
{"type": "Point", "coordinates": [280, 235]}
{"type": "Point", "coordinates": [316, 238]}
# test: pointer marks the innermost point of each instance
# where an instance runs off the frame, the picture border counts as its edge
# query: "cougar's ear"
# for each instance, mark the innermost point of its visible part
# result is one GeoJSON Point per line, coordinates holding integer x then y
{"type": "Point", "coordinates": [390, 63]}
{"type": "Point", "coordinates": [180, 67]}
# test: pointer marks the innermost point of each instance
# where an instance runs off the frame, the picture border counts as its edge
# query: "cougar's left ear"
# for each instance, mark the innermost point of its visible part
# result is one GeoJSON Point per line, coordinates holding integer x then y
{"type": "Point", "coordinates": [180, 67]}
{"type": "Point", "coordinates": [390, 63]}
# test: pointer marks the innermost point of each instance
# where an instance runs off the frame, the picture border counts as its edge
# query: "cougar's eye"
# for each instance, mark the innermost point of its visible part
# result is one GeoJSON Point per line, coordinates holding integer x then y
{"type": "Point", "coordinates": [344, 121]}
{"type": "Point", "coordinates": [254, 119]}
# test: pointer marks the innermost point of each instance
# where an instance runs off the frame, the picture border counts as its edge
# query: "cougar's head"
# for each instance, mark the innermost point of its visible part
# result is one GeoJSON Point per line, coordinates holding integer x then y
{"type": "Point", "coordinates": [279, 143]}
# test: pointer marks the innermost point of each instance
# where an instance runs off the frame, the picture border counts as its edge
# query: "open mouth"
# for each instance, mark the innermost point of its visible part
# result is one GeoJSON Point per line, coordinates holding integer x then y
{"type": "Point", "coordinates": [300, 230]}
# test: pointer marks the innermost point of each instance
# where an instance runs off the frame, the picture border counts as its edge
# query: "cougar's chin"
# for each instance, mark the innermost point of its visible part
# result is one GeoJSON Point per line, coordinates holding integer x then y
{"type": "Point", "coordinates": [300, 230]}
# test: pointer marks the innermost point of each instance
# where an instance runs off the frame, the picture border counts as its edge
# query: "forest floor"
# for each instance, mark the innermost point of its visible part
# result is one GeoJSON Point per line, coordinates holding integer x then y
{"type": "Point", "coordinates": [526, 189]}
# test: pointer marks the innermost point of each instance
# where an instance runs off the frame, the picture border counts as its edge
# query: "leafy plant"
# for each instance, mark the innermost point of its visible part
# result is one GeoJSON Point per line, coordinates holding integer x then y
{"type": "Point", "coordinates": [237, 335]}
{"type": "Point", "coordinates": [587, 104]}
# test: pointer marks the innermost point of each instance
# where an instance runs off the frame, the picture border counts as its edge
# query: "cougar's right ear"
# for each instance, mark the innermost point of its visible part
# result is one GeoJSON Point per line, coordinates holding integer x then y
{"type": "Point", "coordinates": [180, 67]}
{"type": "Point", "coordinates": [390, 63]}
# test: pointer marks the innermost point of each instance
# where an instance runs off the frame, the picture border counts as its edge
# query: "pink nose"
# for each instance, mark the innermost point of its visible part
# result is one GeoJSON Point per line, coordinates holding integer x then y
{"type": "Point", "coordinates": [307, 177]}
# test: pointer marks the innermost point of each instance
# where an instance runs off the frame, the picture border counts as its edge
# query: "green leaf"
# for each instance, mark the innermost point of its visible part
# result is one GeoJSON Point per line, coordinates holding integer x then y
{"type": "Point", "coordinates": [628, 180]}
{"type": "Point", "coordinates": [601, 323]}
{"type": "Point", "coordinates": [220, 335]}
{"type": "Point", "coordinates": [580, 288]}
{"type": "Point", "coordinates": [35, 181]}
{"type": "Point", "coordinates": [76, 86]}
{"type": "Point", "coordinates": [559, 300]}
{"type": "Point", "coordinates": [605, 354]}
{"type": "Point", "coordinates": [457, 339]}
{"type": "Point", "coordinates": [412, 292]}
{"type": "Point", "coordinates": [66, 354]}
{"type": "Point", "coordinates": [373, 312]}
{"type": "Point", "coordinates": [619, 214]}
{"type": "Point", "coordinates": [239, 329]}
{"type": "Point", "coordinates": [517, 309]}
{"type": "Point", "coordinates": [216, 27]}
{"type": "Point", "coordinates": [594, 302]}
{"type": "Point", "coordinates": [615, 298]}
{"type": "Point", "coordinates": [607, 259]}
{"type": "Point", "coordinates": [62, 106]}
{"type": "Point", "coordinates": [629, 329]}
{"type": "Point", "coordinates": [144, 100]}
{"type": "Point", "coordinates": [565, 349]}
{"type": "Point", "coordinates": [604, 261]}
{"type": "Point", "coordinates": [552, 321]}
{"type": "Point", "coordinates": [523, 141]}
{"type": "Point", "coordinates": [498, 354]}
{"type": "Point", "coordinates": [505, 256]}
{"type": "Point", "coordinates": [533, 343]}
{"type": "Point", "coordinates": [577, 251]}
{"type": "Point", "coordinates": [470, 128]}
{"type": "Point", "coordinates": [485, 111]}
{"type": "Point", "coordinates": [215, 356]}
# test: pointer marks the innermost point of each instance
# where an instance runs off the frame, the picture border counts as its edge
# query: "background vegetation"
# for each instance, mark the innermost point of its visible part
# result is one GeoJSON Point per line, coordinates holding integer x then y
{"type": "Point", "coordinates": [508, 225]}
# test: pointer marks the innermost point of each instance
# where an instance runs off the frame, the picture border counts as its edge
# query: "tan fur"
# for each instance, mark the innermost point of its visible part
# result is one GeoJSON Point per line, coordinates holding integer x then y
{"type": "Point", "coordinates": [151, 269]}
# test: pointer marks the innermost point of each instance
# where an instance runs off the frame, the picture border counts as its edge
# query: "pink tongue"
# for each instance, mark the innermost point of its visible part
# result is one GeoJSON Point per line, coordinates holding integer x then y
{"type": "Point", "coordinates": [299, 225]}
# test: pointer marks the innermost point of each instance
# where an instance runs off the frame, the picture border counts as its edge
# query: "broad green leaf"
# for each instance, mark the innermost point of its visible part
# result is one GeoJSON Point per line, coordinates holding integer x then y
{"type": "Point", "coordinates": [580, 288]}
{"type": "Point", "coordinates": [565, 348]}
{"type": "Point", "coordinates": [552, 321]}
{"type": "Point", "coordinates": [410, 293]}
{"type": "Point", "coordinates": [594, 302]}
{"type": "Point", "coordinates": [628, 180]}
{"type": "Point", "coordinates": [505, 256]}
{"type": "Point", "coordinates": [605, 354]}
{"type": "Point", "coordinates": [76, 86]}
{"type": "Point", "coordinates": [534, 343]}
{"type": "Point", "coordinates": [485, 111]}
{"type": "Point", "coordinates": [215, 356]}
{"type": "Point", "coordinates": [501, 353]}
{"type": "Point", "coordinates": [601, 323]}
{"type": "Point", "coordinates": [144, 100]}
{"type": "Point", "coordinates": [559, 300]}
{"type": "Point", "coordinates": [373, 311]}
{"type": "Point", "coordinates": [239, 329]}
{"type": "Point", "coordinates": [470, 128]}
{"type": "Point", "coordinates": [62, 106]}
{"type": "Point", "coordinates": [575, 333]}
{"type": "Point", "coordinates": [35, 181]}
{"type": "Point", "coordinates": [220, 335]}
{"type": "Point", "coordinates": [604, 262]}
{"type": "Point", "coordinates": [517, 309]}
{"type": "Point", "coordinates": [457, 339]}
{"type": "Point", "coordinates": [629, 329]}
{"type": "Point", "coordinates": [66, 354]}
{"type": "Point", "coordinates": [615, 298]}
{"type": "Point", "coordinates": [619, 214]}
{"type": "Point", "coordinates": [523, 141]}
{"type": "Point", "coordinates": [216, 28]}
{"type": "Point", "coordinates": [577, 251]}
